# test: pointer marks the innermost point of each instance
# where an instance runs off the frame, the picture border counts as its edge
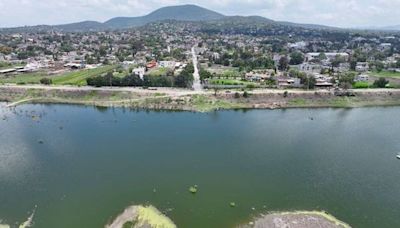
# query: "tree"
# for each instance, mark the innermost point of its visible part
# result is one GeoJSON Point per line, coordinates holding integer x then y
{"type": "Point", "coordinates": [296, 58]}
{"type": "Point", "coordinates": [381, 83]}
{"type": "Point", "coordinates": [379, 66]}
{"type": "Point", "coordinates": [132, 80]}
{"type": "Point", "coordinates": [346, 80]}
{"type": "Point", "coordinates": [337, 61]}
{"type": "Point", "coordinates": [283, 63]}
{"type": "Point", "coordinates": [185, 78]}
{"type": "Point", "coordinates": [204, 74]}
{"type": "Point", "coordinates": [322, 56]}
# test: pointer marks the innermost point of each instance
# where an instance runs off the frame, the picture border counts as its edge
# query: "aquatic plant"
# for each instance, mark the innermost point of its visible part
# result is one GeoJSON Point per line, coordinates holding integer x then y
{"type": "Point", "coordinates": [193, 189]}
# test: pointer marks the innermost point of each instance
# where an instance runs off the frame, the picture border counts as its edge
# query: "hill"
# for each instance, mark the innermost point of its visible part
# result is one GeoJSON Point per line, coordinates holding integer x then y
{"type": "Point", "coordinates": [179, 13]}
{"type": "Point", "coordinates": [184, 13]}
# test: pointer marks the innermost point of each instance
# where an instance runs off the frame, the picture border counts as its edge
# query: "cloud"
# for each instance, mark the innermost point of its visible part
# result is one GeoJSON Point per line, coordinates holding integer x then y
{"type": "Point", "coordinates": [345, 13]}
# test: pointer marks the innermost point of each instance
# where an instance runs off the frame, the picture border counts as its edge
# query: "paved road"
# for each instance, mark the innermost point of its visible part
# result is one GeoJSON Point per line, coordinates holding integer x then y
{"type": "Point", "coordinates": [196, 75]}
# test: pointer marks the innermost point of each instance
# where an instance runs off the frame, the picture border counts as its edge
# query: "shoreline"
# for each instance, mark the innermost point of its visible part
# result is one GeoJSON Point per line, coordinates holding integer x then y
{"type": "Point", "coordinates": [197, 101]}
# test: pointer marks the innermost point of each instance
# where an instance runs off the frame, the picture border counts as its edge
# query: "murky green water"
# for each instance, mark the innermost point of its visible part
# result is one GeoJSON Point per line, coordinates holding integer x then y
{"type": "Point", "coordinates": [93, 163]}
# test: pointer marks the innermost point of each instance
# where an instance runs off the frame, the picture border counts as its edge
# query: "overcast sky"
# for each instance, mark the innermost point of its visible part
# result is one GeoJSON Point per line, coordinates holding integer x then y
{"type": "Point", "coordinates": [343, 13]}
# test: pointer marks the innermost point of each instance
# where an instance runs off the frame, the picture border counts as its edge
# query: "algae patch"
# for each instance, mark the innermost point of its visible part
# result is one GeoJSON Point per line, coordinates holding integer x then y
{"type": "Point", "coordinates": [140, 217]}
{"type": "Point", "coordinates": [150, 215]}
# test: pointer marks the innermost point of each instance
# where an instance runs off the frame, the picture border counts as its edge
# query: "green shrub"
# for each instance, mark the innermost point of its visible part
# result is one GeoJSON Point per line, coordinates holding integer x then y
{"type": "Point", "coordinates": [46, 81]}
{"type": "Point", "coordinates": [361, 85]}
{"type": "Point", "coordinates": [381, 83]}
{"type": "Point", "coordinates": [285, 94]}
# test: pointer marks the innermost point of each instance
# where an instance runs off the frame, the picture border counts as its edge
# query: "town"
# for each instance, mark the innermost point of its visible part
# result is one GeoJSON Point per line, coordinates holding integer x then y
{"type": "Point", "coordinates": [160, 55]}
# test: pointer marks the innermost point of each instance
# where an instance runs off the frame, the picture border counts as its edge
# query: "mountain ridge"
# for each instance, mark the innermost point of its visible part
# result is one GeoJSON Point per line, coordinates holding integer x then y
{"type": "Point", "coordinates": [187, 12]}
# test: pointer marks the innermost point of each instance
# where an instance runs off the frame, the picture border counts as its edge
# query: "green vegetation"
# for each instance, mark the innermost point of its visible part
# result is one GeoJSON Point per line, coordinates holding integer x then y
{"type": "Point", "coordinates": [230, 82]}
{"type": "Point", "coordinates": [386, 74]}
{"type": "Point", "coordinates": [160, 71]}
{"type": "Point", "coordinates": [46, 81]}
{"type": "Point", "coordinates": [204, 103]}
{"type": "Point", "coordinates": [361, 85]}
{"type": "Point", "coordinates": [298, 102]}
{"type": "Point", "coordinates": [381, 83]}
{"type": "Point", "coordinates": [296, 58]}
{"type": "Point", "coordinates": [5, 65]}
{"type": "Point", "coordinates": [151, 216]}
{"type": "Point", "coordinates": [193, 189]}
{"type": "Point", "coordinates": [128, 225]}
{"type": "Point", "coordinates": [26, 78]}
{"type": "Point", "coordinates": [77, 78]}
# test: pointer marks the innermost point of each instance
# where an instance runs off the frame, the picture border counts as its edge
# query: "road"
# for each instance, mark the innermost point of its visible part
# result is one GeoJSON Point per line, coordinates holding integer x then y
{"type": "Point", "coordinates": [196, 75]}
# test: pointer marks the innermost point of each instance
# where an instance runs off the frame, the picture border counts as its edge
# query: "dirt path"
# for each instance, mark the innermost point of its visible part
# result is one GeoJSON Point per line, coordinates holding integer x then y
{"type": "Point", "coordinates": [196, 75]}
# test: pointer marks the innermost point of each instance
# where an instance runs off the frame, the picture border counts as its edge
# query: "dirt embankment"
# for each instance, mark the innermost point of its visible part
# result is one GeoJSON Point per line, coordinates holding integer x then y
{"type": "Point", "coordinates": [298, 219]}
{"type": "Point", "coordinates": [172, 99]}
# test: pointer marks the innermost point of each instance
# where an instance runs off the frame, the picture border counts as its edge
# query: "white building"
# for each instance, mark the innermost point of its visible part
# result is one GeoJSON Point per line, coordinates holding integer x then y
{"type": "Point", "coordinates": [362, 78]}
{"type": "Point", "coordinates": [362, 67]}
{"type": "Point", "coordinates": [140, 71]}
{"type": "Point", "coordinates": [167, 64]}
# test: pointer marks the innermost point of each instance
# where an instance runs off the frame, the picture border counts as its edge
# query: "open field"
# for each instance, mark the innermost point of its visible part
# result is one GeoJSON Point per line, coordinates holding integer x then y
{"type": "Point", "coordinates": [4, 65]}
{"type": "Point", "coordinates": [386, 74]}
{"type": "Point", "coordinates": [229, 82]}
{"type": "Point", "coordinates": [77, 78]}
{"type": "Point", "coordinates": [158, 71]}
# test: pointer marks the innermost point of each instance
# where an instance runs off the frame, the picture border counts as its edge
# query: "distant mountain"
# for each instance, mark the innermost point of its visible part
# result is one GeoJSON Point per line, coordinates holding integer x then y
{"type": "Point", "coordinates": [308, 26]}
{"type": "Point", "coordinates": [82, 26]}
{"type": "Point", "coordinates": [394, 28]}
{"type": "Point", "coordinates": [189, 13]}
{"type": "Point", "coordinates": [178, 13]}
{"type": "Point", "coordinates": [381, 28]}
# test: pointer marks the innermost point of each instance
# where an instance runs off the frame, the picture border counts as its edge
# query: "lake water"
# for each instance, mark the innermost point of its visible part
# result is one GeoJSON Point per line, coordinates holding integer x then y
{"type": "Point", "coordinates": [82, 166]}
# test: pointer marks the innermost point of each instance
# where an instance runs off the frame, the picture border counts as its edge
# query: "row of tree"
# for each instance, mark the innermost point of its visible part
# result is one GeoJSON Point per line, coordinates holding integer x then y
{"type": "Point", "coordinates": [183, 80]}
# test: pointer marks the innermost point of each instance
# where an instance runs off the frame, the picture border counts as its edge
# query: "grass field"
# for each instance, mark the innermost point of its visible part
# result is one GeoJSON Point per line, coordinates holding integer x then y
{"type": "Point", "coordinates": [71, 78]}
{"type": "Point", "coordinates": [158, 71]}
{"type": "Point", "coordinates": [229, 82]}
{"type": "Point", "coordinates": [79, 77]}
{"type": "Point", "coordinates": [27, 78]}
{"type": "Point", "coordinates": [386, 74]}
{"type": "Point", "coordinates": [4, 65]}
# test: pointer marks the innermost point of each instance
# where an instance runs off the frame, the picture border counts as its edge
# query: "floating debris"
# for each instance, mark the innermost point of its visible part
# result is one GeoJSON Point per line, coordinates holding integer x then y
{"type": "Point", "coordinates": [40, 141]}
{"type": "Point", "coordinates": [232, 204]}
{"type": "Point", "coordinates": [193, 189]}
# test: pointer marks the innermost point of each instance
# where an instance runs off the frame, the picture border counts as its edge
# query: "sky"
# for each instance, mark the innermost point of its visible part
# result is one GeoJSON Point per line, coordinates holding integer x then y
{"type": "Point", "coordinates": [341, 13]}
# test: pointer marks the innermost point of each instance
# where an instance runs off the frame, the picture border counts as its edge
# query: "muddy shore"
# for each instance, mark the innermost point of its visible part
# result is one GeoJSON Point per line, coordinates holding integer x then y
{"type": "Point", "coordinates": [203, 101]}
